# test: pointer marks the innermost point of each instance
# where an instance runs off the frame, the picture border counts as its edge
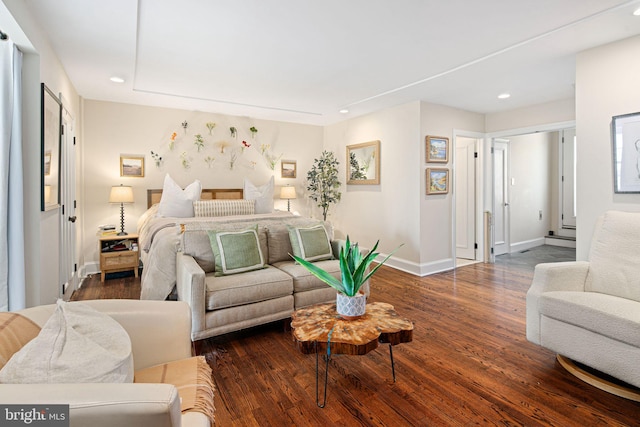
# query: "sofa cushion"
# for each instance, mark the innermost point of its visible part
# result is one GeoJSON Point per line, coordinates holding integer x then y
{"type": "Point", "coordinates": [611, 316]}
{"type": "Point", "coordinates": [15, 331]}
{"type": "Point", "coordinates": [236, 251]}
{"type": "Point", "coordinates": [176, 202]}
{"type": "Point", "coordinates": [614, 258]}
{"type": "Point", "coordinates": [78, 344]}
{"type": "Point", "coordinates": [222, 207]}
{"type": "Point", "coordinates": [246, 288]}
{"type": "Point", "coordinates": [279, 242]}
{"type": "Point", "coordinates": [196, 243]}
{"type": "Point", "coordinates": [303, 280]}
{"type": "Point", "coordinates": [310, 243]}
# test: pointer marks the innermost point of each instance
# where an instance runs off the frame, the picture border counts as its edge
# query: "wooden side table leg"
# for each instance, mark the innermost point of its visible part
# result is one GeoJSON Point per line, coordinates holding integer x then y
{"type": "Point", "coordinates": [102, 276]}
{"type": "Point", "coordinates": [326, 376]}
{"type": "Point", "coordinates": [393, 366]}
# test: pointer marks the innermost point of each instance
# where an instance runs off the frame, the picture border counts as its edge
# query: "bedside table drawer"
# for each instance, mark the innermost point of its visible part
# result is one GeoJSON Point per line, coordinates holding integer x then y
{"type": "Point", "coordinates": [120, 259]}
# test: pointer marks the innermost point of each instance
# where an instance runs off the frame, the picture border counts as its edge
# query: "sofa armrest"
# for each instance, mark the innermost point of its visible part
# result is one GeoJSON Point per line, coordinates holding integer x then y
{"type": "Point", "coordinates": [191, 288]}
{"type": "Point", "coordinates": [103, 405]}
{"type": "Point", "coordinates": [159, 330]}
{"type": "Point", "coordinates": [549, 277]}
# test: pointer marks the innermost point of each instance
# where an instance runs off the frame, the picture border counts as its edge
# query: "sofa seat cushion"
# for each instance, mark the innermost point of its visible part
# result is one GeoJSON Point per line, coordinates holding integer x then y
{"type": "Point", "coordinates": [614, 317]}
{"type": "Point", "coordinates": [303, 280]}
{"type": "Point", "coordinates": [246, 288]}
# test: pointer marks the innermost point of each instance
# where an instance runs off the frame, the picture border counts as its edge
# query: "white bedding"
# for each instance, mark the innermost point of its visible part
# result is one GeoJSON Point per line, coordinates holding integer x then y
{"type": "Point", "coordinates": [159, 240]}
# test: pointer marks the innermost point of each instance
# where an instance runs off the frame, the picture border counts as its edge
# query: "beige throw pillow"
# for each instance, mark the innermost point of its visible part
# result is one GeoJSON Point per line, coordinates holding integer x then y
{"type": "Point", "coordinates": [78, 344]}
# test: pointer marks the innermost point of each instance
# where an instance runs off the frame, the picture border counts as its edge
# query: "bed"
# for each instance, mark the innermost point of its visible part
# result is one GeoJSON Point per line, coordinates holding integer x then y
{"type": "Point", "coordinates": [159, 239]}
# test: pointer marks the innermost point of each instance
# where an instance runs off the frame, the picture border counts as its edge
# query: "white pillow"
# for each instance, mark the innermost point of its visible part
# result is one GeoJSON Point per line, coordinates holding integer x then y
{"type": "Point", "coordinates": [176, 202]}
{"type": "Point", "coordinates": [78, 344]}
{"type": "Point", "coordinates": [263, 195]}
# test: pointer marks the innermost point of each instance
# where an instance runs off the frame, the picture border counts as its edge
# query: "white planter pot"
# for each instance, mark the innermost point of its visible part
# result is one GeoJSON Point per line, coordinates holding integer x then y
{"type": "Point", "coordinates": [351, 307]}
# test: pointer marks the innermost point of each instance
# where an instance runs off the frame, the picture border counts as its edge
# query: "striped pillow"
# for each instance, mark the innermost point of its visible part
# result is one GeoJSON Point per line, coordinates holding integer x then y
{"type": "Point", "coordinates": [223, 207]}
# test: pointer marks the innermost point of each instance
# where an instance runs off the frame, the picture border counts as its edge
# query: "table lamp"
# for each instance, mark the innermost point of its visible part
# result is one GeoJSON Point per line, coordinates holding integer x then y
{"type": "Point", "coordinates": [288, 192]}
{"type": "Point", "coordinates": [121, 194]}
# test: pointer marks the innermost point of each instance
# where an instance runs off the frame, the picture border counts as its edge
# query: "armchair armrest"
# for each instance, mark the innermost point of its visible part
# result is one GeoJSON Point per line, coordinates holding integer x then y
{"type": "Point", "coordinates": [159, 330]}
{"type": "Point", "coordinates": [191, 288]}
{"type": "Point", "coordinates": [103, 405]}
{"type": "Point", "coordinates": [549, 277]}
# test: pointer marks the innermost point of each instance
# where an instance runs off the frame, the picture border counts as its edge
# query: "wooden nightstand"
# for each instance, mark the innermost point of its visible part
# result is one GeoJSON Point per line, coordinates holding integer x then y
{"type": "Point", "coordinates": [117, 254]}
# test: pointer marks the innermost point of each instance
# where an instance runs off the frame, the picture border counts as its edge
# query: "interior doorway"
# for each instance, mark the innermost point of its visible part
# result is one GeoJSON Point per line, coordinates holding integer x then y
{"type": "Point", "coordinates": [500, 197]}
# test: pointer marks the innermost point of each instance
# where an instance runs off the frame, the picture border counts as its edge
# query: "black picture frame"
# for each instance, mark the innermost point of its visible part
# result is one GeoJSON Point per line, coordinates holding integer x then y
{"type": "Point", "coordinates": [51, 137]}
{"type": "Point", "coordinates": [625, 136]}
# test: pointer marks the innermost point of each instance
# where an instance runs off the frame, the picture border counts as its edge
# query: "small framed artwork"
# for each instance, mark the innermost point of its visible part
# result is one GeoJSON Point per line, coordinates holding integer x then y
{"type": "Point", "coordinates": [288, 168]}
{"type": "Point", "coordinates": [132, 166]}
{"type": "Point", "coordinates": [437, 149]}
{"type": "Point", "coordinates": [437, 181]}
{"type": "Point", "coordinates": [625, 134]}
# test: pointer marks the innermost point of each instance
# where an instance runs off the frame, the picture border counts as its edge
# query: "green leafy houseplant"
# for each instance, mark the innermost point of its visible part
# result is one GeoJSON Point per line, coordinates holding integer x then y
{"type": "Point", "coordinates": [323, 183]}
{"type": "Point", "coordinates": [353, 268]}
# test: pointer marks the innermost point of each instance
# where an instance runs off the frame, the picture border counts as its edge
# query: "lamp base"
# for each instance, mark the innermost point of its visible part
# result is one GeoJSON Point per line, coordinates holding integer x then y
{"type": "Point", "coordinates": [122, 233]}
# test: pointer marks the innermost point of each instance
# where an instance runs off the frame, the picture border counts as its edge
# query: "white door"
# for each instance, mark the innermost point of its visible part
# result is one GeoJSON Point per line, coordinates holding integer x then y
{"type": "Point", "coordinates": [568, 216]}
{"type": "Point", "coordinates": [465, 195]}
{"type": "Point", "coordinates": [501, 197]}
{"type": "Point", "coordinates": [68, 261]}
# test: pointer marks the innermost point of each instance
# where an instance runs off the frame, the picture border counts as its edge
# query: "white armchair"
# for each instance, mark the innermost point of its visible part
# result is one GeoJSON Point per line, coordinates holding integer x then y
{"type": "Point", "coordinates": [160, 333]}
{"type": "Point", "coordinates": [590, 311]}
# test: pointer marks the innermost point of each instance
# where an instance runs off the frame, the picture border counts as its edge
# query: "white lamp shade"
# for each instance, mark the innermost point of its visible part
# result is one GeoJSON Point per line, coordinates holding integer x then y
{"type": "Point", "coordinates": [121, 194]}
{"type": "Point", "coordinates": [288, 192]}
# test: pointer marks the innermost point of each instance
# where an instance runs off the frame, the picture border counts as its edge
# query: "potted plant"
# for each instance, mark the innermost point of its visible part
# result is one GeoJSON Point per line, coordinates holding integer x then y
{"type": "Point", "coordinates": [323, 183]}
{"type": "Point", "coordinates": [354, 269]}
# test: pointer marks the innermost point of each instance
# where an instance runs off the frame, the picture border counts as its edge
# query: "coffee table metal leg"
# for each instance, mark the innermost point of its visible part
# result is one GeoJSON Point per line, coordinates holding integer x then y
{"type": "Point", "coordinates": [326, 376]}
{"type": "Point", "coordinates": [393, 366]}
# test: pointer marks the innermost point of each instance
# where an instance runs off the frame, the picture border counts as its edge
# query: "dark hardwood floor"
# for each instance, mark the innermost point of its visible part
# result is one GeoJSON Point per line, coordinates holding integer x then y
{"type": "Point", "coordinates": [469, 363]}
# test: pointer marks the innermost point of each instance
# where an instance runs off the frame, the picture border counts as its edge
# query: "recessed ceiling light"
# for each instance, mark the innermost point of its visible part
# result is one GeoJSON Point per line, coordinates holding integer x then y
{"type": "Point", "coordinates": [117, 79]}
{"type": "Point", "coordinates": [637, 12]}
{"type": "Point", "coordinates": [344, 111]}
{"type": "Point", "coordinates": [504, 96]}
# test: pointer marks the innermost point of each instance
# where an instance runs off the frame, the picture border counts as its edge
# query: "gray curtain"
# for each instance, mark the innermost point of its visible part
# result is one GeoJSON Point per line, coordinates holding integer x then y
{"type": "Point", "coordinates": [12, 273]}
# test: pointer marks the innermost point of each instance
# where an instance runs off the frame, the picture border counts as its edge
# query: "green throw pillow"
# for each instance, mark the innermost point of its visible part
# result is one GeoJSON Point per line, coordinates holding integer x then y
{"type": "Point", "coordinates": [310, 243]}
{"type": "Point", "coordinates": [236, 251]}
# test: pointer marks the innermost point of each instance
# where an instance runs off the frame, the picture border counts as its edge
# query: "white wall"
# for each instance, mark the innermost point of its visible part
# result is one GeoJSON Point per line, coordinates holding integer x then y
{"type": "Point", "coordinates": [112, 129]}
{"type": "Point", "coordinates": [531, 180]}
{"type": "Point", "coordinates": [533, 116]}
{"type": "Point", "coordinates": [606, 86]}
{"type": "Point", "coordinates": [388, 212]}
{"type": "Point", "coordinates": [42, 229]}
{"type": "Point", "coordinates": [436, 211]}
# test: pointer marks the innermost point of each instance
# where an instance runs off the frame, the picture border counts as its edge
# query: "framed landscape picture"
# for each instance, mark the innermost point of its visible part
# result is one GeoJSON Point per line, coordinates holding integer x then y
{"type": "Point", "coordinates": [437, 149]}
{"type": "Point", "coordinates": [132, 166]}
{"type": "Point", "coordinates": [437, 181]}
{"type": "Point", "coordinates": [625, 134]}
{"type": "Point", "coordinates": [288, 168]}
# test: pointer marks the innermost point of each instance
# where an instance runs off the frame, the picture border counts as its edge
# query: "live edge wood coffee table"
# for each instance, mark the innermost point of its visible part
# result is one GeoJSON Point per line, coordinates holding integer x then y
{"type": "Point", "coordinates": [319, 329]}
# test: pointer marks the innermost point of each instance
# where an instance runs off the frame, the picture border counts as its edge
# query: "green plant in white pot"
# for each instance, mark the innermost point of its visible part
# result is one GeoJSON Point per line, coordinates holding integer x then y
{"type": "Point", "coordinates": [354, 269]}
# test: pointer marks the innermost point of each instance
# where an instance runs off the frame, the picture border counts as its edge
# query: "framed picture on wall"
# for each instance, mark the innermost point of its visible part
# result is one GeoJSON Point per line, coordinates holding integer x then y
{"type": "Point", "coordinates": [437, 149]}
{"type": "Point", "coordinates": [625, 134]}
{"type": "Point", "coordinates": [131, 166]}
{"type": "Point", "coordinates": [437, 181]}
{"type": "Point", "coordinates": [288, 168]}
{"type": "Point", "coordinates": [51, 137]}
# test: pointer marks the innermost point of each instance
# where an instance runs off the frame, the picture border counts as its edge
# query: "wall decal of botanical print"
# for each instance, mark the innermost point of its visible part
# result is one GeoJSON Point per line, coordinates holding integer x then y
{"type": "Point", "coordinates": [272, 159]}
{"type": "Point", "coordinates": [199, 142]}
{"type": "Point", "coordinates": [184, 159]}
{"type": "Point", "coordinates": [172, 141]}
{"type": "Point", "coordinates": [210, 160]}
{"type": "Point", "coordinates": [211, 126]}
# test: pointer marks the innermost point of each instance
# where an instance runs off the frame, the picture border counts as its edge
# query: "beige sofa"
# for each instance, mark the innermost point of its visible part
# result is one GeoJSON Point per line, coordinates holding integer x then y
{"type": "Point", "coordinates": [223, 304]}
{"type": "Point", "coordinates": [159, 333]}
{"type": "Point", "coordinates": [590, 311]}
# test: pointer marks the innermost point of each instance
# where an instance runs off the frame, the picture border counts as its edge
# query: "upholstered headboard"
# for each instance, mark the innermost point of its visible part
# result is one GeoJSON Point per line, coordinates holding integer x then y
{"type": "Point", "coordinates": [153, 196]}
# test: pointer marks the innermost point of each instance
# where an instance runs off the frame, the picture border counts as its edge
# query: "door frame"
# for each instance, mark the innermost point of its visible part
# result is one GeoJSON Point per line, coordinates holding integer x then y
{"type": "Point", "coordinates": [481, 144]}
{"type": "Point", "coordinates": [488, 177]}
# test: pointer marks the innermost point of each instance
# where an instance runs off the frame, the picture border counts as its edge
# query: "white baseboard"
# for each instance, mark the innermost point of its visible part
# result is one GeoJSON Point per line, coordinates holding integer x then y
{"type": "Point", "coordinates": [527, 244]}
{"type": "Point", "coordinates": [420, 269]}
{"type": "Point", "coordinates": [560, 242]}
{"type": "Point", "coordinates": [88, 268]}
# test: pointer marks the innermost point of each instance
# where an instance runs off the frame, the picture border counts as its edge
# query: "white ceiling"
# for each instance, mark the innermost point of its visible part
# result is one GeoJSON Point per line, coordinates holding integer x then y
{"type": "Point", "coordinates": [301, 61]}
